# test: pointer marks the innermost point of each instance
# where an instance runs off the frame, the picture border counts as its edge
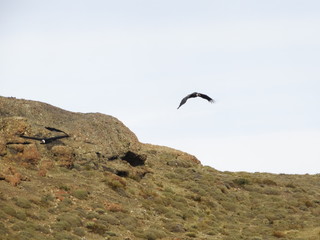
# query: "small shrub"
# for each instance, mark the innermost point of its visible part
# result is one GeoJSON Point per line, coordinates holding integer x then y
{"type": "Point", "coordinates": [196, 198]}
{"type": "Point", "coordinates": [67, 221]}
{"type": "Point", "coordinates": [290, 185]}
{"type": "Point", "coordinates": [160, 209]}
{"type": "Point", "coordinates": [3, 215]}
{"type": "Point", "coordinates": [113, 207]}
{"type": "Point", "coordinates": [72, 219]}
{"type": "Point", "coordinates": [212, 233]}
{"type": "Point", "coordinates": [110, 219]}
{"type": "Point", "coordinates": [147, 193]}
{"type": "Point", "coordinates": [3, 229]}
{"type": "Point", "coordinates": [154, 233]}
{"type": "Point", "coordinates": [191, 234]}
{"type": "Point", "coordinates": [61, 226]}
{"type": "Point", "coordinates": [97, 228]}
{"type": "Point", "coordinates": [111, 234]}
{"type": "Point", "coordinates": [21, 215]}
{"type": "Point", "coordinates": [308, 203]}
{"type": "Point", "coordinates": [241, 181]}
{"type": "Point", "coordinates": [28, 234]}
{"type": "Point", "coordinates": [81, 194]}
{"type": "Point", "coordinates": [43, 229]}
{"type": "Point", "coordinates": [100, 211]}
{"type": "Point", "coordinates": [46, 200]}
{"type": "Point", "coordinates": [230, 206]}
{"type": "Point", "coordinates": [271, 191]}
{"type": "Point", "coordinates": [65, 203]}
{"type": "Point", "coordinates": [2, 196]}
{"type": "Point", "coordinates": [19, 226]}
{"type": "Point", "coordinates": [65, 188]}
{"type": "Point", "coordinates": [98, 206]}
{"type": "Point", "coordinates": [115, 182]}
{"type": "Point", "coordinates": [9, 210]}
{"type": "Point", "coordinates": [79, 232]}
{"type": "Point", "coordinates": [64, 235]}
{"type": "Point", "coordinates": [279, 234]}
{"type": "Point", "coordinates": [189, 214]}
{"type": "Point", "coordinates": [171, 214]}
{"type": "Point", "coordinates": [179, 206]}
{"type": "Point", "coordinates": [129, 222]}
{"type": "Point", "coordinates": [269, 182]}
{"type": "Point", "coordinates": [92, 215]}
{"type": "Point", "coordinates": [170, 175]}
{"type": "Point", "coordinates": [175, 227]}
{"type": "Point", "coordinates": [23, 203]}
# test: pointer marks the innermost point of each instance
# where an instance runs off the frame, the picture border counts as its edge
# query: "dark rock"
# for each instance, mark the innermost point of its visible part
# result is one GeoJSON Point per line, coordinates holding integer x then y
{"type": "Point", "coordinates": [134, 159]}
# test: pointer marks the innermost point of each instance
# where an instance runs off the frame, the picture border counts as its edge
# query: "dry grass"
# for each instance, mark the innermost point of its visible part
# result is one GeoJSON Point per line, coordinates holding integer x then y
{"type": "Point", "coordinates": [187, 203]}
{"type": "Point", "coordinates": [99, 193]}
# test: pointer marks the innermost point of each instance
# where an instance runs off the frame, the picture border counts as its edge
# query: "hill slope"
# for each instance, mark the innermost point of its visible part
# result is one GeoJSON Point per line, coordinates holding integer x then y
{"type": "Point", "coordinates": [102, 183]}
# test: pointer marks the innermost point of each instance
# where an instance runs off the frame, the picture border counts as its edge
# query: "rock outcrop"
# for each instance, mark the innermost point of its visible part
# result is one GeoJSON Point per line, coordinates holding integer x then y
{"type": "Point", "coordinates": [95, 140]}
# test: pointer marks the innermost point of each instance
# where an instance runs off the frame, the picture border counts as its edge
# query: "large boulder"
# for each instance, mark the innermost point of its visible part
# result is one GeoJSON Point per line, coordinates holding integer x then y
{"type": "Point", "coordinates": [92, 136]}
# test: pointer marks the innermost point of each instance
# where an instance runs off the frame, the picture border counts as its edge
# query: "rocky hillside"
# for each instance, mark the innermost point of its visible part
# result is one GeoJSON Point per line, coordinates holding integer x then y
{"type": "Point", "coordinates": [99, 182]}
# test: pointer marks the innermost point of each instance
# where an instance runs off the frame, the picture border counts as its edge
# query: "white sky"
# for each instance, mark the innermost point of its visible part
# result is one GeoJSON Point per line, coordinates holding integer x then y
{"type": "Point", "coordinates": [135, 60]}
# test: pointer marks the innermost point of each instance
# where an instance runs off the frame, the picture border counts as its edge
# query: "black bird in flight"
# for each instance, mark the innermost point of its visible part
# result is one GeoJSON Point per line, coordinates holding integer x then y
{"type": "Point", "coordinates": [49, 139]}
{"type": "Point", "coordinates": [45, 140]}
{"type": "Point", "coordinates": [193, 95]}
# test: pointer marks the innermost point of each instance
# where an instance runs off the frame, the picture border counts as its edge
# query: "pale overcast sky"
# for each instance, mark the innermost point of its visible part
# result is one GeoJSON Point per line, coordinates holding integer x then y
{"type": "Point", "coordinates": [136, 59]}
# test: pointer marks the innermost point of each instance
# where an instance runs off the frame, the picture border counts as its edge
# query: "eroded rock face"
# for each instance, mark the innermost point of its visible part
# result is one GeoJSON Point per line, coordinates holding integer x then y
{"type": "Point", "coordinates": [64, 156]}
{"type": "Point", "coordinates": [12, 176]}
{"type": "Point", "coordinates": [93, 137]}
{"type": "Point", "coordinates": [89, 133]}
{"type": "Point", "coordinates": [94, 141]}
{"type": "Point", "coordinates": [2, 146]}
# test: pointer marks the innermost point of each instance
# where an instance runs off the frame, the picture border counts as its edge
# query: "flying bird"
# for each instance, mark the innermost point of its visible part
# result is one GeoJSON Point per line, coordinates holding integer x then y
{"type": "Point", "coordinates": [193, 95]}
{"type": "Point", "coordinates": [45, 140]}
{"type": "Point", "coordinates": [49, 139]}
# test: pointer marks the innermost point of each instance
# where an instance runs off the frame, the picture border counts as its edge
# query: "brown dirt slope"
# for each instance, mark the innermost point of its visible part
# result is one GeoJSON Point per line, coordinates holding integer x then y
{"type": "Point", "coordinates": [102, 183]}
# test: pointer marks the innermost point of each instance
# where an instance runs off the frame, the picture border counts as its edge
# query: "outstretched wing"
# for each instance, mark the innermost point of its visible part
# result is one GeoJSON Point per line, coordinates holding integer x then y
{"type": "Point", "coordinates": [51, 139]}
{"type": "Point", "coordinates": [206, 97]}
{"type": "Point", "coordinates": [34, 138]}
{"type": "Point", "coordinates": [184, 100]}
{"type": "Point", "coordinates": [54, 129]}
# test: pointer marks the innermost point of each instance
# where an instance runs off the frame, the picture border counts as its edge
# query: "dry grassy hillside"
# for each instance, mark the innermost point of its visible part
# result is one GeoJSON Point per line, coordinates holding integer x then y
{"type": "Point", "coordinates": [102, 183]}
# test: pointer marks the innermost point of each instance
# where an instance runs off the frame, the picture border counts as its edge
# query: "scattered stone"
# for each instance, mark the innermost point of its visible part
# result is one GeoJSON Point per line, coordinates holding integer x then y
{"type": "Point", "coordinates": [64, 156]}
{"type": "Point", "coordinates": [12, 176]}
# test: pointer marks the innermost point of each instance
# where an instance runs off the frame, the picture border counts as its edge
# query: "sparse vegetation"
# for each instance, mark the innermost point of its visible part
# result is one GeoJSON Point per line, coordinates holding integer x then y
{"type": "Point", "coordinates": [166, 194]}
{"type": "Point", "coordinates": [22, 202]}
{"type": "Point", "coordinates": [216, 204]}
{"type": "Point", "coordinates": [81, 194]}
{"type": "Point", "coordinates": [97, 228]}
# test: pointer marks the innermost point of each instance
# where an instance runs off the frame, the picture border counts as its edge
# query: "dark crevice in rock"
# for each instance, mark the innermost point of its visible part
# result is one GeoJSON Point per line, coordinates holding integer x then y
{"type": "Point", "coordinates": [122, 173]}
{"type": "Point", "coordinates": [134, 159]}
{"type": "Point", "coordinates": [113, 158]}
